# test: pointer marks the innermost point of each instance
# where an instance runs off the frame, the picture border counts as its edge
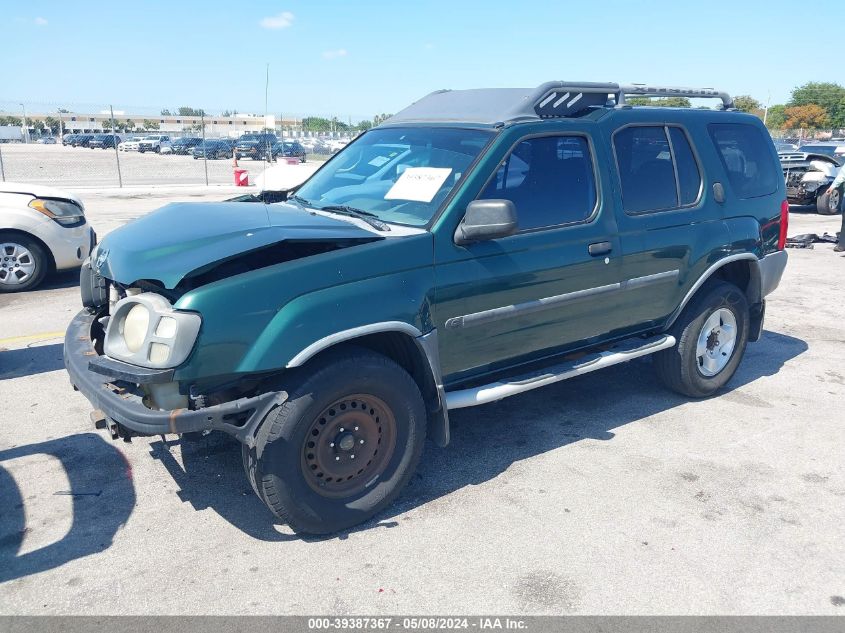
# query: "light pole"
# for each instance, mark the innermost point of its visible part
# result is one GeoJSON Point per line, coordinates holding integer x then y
{"type": "Point", "coordinates": [61, 128]}
{"type": "Point", "coordinates": [25, 129]}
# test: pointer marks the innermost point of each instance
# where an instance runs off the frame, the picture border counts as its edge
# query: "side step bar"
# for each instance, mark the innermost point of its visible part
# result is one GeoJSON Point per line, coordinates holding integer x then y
{"type": "Point", "coordinates": [618, 353]}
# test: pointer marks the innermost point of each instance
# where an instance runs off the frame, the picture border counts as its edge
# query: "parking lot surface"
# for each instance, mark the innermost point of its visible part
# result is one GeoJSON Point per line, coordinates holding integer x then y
{"type": "Point", "coordinates": [605, 494]}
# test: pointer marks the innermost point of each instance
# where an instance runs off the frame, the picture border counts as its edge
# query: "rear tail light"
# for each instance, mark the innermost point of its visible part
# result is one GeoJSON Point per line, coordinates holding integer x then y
{"type": "Point", "coordinates": [784, 224]}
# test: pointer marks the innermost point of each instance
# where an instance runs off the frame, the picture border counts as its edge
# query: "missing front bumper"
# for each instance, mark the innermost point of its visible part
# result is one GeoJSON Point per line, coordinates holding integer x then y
{"type": "Point", "coordinates": [104, 382]}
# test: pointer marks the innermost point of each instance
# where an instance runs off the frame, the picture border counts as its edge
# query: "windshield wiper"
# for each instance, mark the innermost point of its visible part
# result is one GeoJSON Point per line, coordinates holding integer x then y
{"type": "Point", "coordinates": [366, 216]}
{"type": "Point", "coordinates": [301, 201]}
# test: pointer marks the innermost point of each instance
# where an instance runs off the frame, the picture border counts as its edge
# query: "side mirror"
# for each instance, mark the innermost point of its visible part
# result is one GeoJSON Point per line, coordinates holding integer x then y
{"type": "Point", "coordinates": [486, 220]}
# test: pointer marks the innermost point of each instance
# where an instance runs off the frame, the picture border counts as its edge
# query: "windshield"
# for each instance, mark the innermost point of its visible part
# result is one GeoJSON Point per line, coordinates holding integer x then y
{"type": "Point", "coordinates": [400, 175]}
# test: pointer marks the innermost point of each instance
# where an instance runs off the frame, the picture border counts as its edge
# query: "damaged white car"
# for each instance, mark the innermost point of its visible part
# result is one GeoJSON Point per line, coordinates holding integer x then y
{"type": "Point", "coordinates": [808, 178]}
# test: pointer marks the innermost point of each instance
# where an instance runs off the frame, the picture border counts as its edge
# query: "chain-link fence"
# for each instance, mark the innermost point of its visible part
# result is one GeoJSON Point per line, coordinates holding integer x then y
{"type": "Point", "coordinates": [805, 136]}
{"type": "Point", "coordinates": [90, 146]}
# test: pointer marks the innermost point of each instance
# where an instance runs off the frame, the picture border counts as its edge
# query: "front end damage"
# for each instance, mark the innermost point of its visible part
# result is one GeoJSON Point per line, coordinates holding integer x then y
{"type": "Point", "coordinates": [807, 176]}
{"type": "Point", "coordinates": [127, 397]}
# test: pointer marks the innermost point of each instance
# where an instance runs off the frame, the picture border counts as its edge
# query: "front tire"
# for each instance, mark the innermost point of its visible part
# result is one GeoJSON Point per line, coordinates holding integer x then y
{"type": "Point", "coordinates": [711, 335]}
{"type": "Point", "coordinates": [23, 263]}
{"type": "Point", "coordinates": [829, 202]}
{"type": "Point", "coordinates": [343, 446]}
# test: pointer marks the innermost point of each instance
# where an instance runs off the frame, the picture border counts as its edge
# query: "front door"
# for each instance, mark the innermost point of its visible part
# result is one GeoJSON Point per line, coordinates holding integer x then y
{"type": "Point", "coordinates": [550, 286]}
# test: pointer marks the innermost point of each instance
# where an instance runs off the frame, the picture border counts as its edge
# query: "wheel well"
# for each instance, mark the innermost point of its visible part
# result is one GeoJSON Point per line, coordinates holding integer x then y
{"type": "Point", "coordinates": [51, 262]}
{"type": "Point", "coordinates": [406, 352]}
{"type": "Point", "coordinates": [743, 274]}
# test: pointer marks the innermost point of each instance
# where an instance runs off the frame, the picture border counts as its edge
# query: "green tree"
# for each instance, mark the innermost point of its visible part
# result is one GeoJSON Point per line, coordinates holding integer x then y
{"type": "Point", "coordinates": [664, 102]}
{"type": "Point", "coordinates": [316, 124]}
{"type": "Point", "coordinates": [829, 96]}
{"type": "Point", "coordinates": [52, 124]}
{"type": "Point", "coordinates": [186, 111]}
{"type": "Point", "coordinates": [776, 117]}
{"type": "Point", "coordinates": [746, 103]}
{"type": "Point", "coordinates": [38, 126]}
{"type": "Point", "coordinates": [364, 125]}
{"type": "Point", "coordinates": [165, 112]}
{"type": "Point", "coordinates": [150, 125]}
{"type": "Point", "coordinates": [10, 120]}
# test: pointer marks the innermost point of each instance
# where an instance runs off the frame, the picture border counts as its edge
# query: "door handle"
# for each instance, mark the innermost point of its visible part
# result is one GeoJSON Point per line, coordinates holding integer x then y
{"type": "Point", "coordinates": [600, 248]}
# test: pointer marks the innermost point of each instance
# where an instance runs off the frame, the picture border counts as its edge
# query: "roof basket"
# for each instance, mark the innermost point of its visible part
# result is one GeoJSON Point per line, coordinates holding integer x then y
{"type": "Point", "coordinates": [564, 98]}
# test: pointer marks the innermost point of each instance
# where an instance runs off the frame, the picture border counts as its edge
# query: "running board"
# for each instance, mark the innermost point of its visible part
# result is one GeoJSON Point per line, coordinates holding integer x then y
{"type": "Point", "coordinates": [619, 353]}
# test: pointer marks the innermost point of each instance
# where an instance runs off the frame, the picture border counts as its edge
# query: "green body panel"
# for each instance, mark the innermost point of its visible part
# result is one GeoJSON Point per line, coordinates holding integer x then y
{"type": "Point", "coordinates": [258, 321]}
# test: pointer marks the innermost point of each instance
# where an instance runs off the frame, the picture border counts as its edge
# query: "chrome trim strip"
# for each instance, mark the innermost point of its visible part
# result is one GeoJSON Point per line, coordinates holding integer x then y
{"type": "Point", "coordinates": [499, 390]}
{"type": "Point", "coordinates": [537, 305]}
{"type": "Point", "coordinates": [345, 335]}
{"type": "Point", "coordinates": [648, 280]}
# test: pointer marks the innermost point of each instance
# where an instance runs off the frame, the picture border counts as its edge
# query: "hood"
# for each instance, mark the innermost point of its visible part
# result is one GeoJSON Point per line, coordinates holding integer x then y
{"type": "Point", "coordinates": [38, 191]}
{"type": "Point", "coordinates": [168, 244]}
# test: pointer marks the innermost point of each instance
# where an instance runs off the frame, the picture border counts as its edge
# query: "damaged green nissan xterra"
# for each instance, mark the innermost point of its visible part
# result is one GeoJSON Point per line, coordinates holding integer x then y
{"type": "Point", "coordinates": [477, 245]}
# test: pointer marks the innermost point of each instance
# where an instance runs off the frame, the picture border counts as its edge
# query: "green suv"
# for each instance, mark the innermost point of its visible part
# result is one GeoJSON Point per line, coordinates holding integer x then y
{"type": "Point", "coordinates": [477, 245]}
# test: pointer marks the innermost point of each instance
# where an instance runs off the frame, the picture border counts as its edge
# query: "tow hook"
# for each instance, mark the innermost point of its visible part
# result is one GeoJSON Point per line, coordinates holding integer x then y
{"type": "Point", "coordinates": [117, 431]}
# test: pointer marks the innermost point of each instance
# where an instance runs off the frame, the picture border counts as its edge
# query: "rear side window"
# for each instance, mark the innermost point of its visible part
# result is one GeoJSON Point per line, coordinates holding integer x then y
{"type": "Point", "coordinates": [549, 179]}
{"type": "Point", "coordinates": [657, 168]}
{"type": "Point", "coordinates": [746, 158]}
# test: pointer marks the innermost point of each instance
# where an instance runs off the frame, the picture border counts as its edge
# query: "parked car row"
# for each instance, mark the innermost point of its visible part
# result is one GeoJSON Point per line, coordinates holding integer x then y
{"type": "Point", "coordinates": [264, 147]}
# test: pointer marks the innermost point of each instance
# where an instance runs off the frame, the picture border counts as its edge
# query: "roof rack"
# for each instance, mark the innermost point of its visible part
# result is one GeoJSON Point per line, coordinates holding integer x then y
{"type": "Point", "coordinates": [564, 98]}
{"type": "Point", "coordinates": [555, 99]}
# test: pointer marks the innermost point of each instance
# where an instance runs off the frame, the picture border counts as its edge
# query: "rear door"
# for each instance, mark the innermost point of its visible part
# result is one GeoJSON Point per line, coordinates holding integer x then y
{"type": "Point", "coordinates": [550, 286]}
{"type": "Point", "coordinates": [668, 222]}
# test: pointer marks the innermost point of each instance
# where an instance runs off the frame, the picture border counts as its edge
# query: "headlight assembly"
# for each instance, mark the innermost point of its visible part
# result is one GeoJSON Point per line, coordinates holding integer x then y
{"type": "Point", "coordinates": [145, 330]}
{"type": "Point", "coordinates": [135, 325]}
{"type": "Point", "coordinates": [64, 212]}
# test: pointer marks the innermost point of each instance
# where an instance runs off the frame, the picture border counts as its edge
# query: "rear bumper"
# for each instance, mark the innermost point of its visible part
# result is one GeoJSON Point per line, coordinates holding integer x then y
{"type": "Point", "coordinates": [109, 385]}
{"type": "Point", "coordinates": [771, 271]}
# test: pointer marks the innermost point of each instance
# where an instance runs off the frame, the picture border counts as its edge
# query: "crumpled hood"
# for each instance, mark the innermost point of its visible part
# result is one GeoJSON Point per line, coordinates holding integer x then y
{"type": "Point", "coordinates": [170, 243]}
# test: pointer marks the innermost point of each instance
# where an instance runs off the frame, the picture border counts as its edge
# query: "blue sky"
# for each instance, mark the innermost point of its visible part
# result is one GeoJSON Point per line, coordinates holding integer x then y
{"type": "Point", "coordinates": [356, 59]}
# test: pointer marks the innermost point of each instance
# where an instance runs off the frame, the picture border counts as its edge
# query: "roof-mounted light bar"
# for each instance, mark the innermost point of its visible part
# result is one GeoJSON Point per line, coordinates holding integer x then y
{"type": "Point", "coordinates": [644, 90]}
{"type": "Point", "coordinates": [564, 98]}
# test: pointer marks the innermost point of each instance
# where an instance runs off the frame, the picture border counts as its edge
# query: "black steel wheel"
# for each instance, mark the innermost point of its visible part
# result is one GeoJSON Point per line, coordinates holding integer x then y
{"type": "Point", "coordinates": [348, 444]}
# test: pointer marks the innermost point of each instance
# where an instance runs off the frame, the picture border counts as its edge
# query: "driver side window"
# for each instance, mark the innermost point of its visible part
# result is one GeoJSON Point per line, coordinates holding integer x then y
{"type": "Point", "coordinates": [549, 179]}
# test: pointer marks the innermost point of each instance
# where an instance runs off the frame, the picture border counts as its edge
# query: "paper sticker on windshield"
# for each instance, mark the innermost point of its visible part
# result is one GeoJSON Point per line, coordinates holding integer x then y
{"type": "Point", "coordinates": [378, 161]}
{"type": "Point", "coordinates": [419, 184]}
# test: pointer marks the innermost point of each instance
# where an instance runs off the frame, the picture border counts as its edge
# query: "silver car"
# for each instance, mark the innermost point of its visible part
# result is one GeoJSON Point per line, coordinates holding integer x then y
{"type": "Point", "coordinates": [42, 230]}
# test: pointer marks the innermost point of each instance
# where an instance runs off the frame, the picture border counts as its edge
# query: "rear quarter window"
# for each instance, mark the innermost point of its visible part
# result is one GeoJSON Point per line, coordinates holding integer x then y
{"type": "Point", "coordinates": [747, 159]}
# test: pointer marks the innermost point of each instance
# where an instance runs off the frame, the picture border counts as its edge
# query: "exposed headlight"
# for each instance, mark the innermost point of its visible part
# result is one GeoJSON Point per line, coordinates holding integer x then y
{"type": "Point", "coordinates": [64, 212]}
{"type": "Point", "coordinates": [135, 326]}
{"type": "Point", "coordinates": [145, 330]}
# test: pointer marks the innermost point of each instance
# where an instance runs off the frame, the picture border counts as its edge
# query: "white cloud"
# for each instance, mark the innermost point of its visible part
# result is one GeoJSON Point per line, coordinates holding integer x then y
{"type": "Point", "coordinates": [40, 21]}
{"type": "Point", "coordinates": [281, 21]}
{"type": "Point", "coordinates": [341, 52]}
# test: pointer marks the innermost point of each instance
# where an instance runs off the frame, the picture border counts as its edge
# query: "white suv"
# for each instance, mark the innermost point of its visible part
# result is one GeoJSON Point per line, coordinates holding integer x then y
{"type": "Point", "coordinates": [41, 230]}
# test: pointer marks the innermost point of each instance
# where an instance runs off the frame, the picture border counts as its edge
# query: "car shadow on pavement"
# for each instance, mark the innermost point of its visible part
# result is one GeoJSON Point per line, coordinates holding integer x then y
{"type": "Point", "coordinates": [26, 361]}
{"type": "Point", "coordinates": [102, 495]}
{"type": "Point", "coordinates": [485, 440]}
{"type": "Point", "coordinates": [58, 280]}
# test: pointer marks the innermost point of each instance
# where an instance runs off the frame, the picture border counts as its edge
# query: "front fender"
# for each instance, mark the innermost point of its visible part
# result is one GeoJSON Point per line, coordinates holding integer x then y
{"type": "Point", "coordinates": [315, 321]}
{"type": "Point", "coordinates": [260, 320]}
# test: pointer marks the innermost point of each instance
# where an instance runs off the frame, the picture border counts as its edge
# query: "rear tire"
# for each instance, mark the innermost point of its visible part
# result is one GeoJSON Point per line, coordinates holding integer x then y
{"type": "Point", "coordinates": [711, 335]}
{"type": "Point", "coordinates": [829, 203]}
{"type": "Point", "coordinates": [303, 462]}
